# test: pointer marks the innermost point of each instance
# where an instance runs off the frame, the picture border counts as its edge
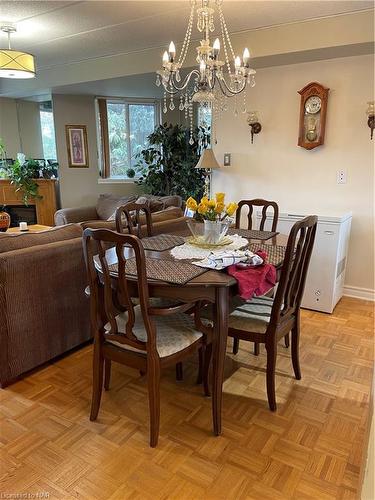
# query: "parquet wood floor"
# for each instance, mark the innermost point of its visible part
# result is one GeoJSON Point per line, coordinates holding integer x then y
{"type": "Point", "coordinates": [310, 449]}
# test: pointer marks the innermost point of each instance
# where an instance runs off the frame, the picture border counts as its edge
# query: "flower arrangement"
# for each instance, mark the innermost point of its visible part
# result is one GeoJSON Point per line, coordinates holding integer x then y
{"type": "Point", "coordinates": [212, 209]}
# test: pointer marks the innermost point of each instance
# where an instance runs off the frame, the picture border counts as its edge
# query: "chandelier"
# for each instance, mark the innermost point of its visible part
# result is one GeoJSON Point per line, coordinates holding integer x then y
{"type": "Point", "coordinates": [13, 63]}
{"type": "Point", "coordinates": [220, 74]}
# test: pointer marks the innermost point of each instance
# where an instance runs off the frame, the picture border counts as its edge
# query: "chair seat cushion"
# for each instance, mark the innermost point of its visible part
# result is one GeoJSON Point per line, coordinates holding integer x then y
{"type": "Point", "coordinates": [253, 315]}
{"type": "Point", "coordinates": [174, 332]}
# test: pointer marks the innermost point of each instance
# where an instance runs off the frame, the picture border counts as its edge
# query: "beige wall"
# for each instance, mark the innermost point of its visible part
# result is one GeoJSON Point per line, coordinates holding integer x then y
{"type": "Point", "coordinates": [274, 167]}
{"type": "Point", "coordinates": [20, 127]}
{"type": "Point", "coordinates": [9, 131]}
{"type": "Point", "coordinates": [79, 186]}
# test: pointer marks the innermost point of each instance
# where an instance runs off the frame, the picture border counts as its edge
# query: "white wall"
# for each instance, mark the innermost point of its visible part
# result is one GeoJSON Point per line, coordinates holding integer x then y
{"type": "Point", "coordinates": [275, 168]}
{"type": "Point", "coordinates": [79, 186]}
{"type": "Point", "coordinates": [20, 127]}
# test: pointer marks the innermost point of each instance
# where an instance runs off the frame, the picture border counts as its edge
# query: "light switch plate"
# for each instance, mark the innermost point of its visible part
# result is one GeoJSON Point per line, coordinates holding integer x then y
{"type": "Point", "coordinates": [227, 158]}
{"type": "Point", "coordinates": [341, 176]}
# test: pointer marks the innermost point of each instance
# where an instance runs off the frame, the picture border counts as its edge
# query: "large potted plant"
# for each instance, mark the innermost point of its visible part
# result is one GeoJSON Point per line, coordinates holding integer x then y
{"type": "Point", "coordinates": [167, 165]}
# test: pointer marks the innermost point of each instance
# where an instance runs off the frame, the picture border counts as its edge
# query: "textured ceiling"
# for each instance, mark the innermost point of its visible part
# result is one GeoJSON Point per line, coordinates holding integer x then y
{"type": "Point", "coordinates": [63, 32]}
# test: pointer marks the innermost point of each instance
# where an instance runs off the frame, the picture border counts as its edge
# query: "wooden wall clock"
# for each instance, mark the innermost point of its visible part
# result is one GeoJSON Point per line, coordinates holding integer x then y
{"type": "Point", "coordinates": [313, 113]}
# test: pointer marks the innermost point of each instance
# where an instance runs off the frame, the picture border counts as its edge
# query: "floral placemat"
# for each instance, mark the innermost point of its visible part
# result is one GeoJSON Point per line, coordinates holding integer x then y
{"type": "Point", "coordinates": [178, 273]}
{"type": "Point", "coordinates": [276, 253]}
{"type": "Point", "coordinates": [252, 234]}
{"type": "Point", "coordinates": [162, 242]}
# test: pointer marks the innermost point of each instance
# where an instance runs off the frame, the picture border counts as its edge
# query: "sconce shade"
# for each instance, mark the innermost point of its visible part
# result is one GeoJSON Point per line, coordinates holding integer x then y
{"type": "Point", "coordinates": [15, 64]}
{"type": "Point", "coordinates": [207, 160]}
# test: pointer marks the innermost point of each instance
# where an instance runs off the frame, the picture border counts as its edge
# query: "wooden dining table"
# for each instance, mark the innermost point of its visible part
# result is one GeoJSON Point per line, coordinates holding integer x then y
{"type": "Point", "coordinates": [213, 286]}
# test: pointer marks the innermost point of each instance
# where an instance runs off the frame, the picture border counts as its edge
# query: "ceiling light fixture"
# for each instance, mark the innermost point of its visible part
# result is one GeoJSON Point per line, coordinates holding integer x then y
{"type": "Point", "coordinates": [208, 85]}
{"type": "Point", "coordinates": [13, 63]}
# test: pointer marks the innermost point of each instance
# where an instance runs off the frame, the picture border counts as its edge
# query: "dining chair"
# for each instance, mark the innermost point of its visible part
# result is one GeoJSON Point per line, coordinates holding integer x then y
{"type": "Point", "coordinates": [250, 204]}
{"type": "Point", "coordinates": [266, 320]}
{"type": "Point", "coordinates": [257, 202]}
{"type": "Point", "coordinates": [132, 216]}
{"type": "Point", "coordinates": [142, 335]}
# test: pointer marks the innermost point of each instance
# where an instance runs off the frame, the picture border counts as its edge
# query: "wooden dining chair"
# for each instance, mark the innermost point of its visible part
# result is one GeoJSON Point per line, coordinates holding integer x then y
{"type": "Point", "coordinates": [142, 336]}
{"type": "Point", "coordinates": [266, 320]}
{"type": "Point", "coordinates": [250, 204]}
{"type": "Point", "coordinates": [132, 216]}
{"type": "Point", "coordinates": [257, 202]}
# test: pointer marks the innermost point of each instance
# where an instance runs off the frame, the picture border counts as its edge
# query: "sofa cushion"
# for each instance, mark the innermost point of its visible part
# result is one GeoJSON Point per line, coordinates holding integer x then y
{"type": "Point", "coordinates": [157, 203]}
{"type": "Point", "coordinates": [167, 214]}
{"type": "Point", "coordinates": [17, 241]}
{"type": "Point", "coordinates": [107, 204]}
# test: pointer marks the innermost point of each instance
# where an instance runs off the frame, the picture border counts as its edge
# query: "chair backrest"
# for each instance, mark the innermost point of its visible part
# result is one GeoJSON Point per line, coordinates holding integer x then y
{"type": "Point", "coordinates": [293, 273]}
{"type": "Point", "coordinates": [257, 202]}
{"type": "Point", "coordinates": [111, 292]}
{"type": "Point", "coordinates": [131, 216]}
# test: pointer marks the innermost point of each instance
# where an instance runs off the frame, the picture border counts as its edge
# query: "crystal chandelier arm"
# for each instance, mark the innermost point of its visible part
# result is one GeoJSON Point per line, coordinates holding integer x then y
{"type": "Point", "coordinates": [227, 91]}
{"type": "Point", "coordinates": [174, 88]}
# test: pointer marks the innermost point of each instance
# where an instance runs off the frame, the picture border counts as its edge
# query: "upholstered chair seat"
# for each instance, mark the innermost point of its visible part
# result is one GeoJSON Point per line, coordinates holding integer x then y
{"type": "Point", "coordinates": [173, 333]}
{"type": "Point", "coordinates": [253, 315]}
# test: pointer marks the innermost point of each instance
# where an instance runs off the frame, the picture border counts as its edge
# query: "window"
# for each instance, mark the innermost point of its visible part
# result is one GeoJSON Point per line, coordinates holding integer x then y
{"type": "Point", "coordinates": [48, 131]}
{"type": "Point", "coordinates": [205, 117]}
{"type": "Point", "coordinates": [124, 128]}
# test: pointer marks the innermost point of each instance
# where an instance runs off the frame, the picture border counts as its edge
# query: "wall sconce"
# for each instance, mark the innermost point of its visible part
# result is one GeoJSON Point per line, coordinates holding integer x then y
{"type": "Point", "coordinates": [253, 121]}
{"type": "Point", "coordinates": [371, 116]}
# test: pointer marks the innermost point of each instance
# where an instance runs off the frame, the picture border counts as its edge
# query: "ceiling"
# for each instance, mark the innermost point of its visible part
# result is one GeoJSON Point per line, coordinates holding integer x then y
{"type": "Point", "coordinates": [60, 32]}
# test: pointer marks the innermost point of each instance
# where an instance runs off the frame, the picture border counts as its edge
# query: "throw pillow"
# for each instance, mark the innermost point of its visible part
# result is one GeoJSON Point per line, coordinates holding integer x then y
{"type": "Point", "coordinates": [108, 203]}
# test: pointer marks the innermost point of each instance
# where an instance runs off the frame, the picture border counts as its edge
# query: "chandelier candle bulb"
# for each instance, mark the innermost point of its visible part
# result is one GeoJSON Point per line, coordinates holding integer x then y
{"type": "Point", "coordinates": [246, 57]}
{"type": "Point", "coordinates": [216, 48]}
{"type": "Point", "coordinates": [202, 68]}
{"type": "Point", "coordinates": [237, 63]}
{"type": "Point", "coordinates": [165, 58]}
{"type": "Point", "coordinates": [172, 51]}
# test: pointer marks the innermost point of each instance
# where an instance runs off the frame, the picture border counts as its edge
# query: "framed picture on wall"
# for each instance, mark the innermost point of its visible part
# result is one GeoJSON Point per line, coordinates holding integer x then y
{"type": "Point", "coordinates": [76, 142]}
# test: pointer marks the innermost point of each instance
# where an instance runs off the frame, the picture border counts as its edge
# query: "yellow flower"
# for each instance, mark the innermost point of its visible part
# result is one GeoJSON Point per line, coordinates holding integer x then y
{"type": "Point", "coordinates": [231, 208]}
{"type": "Point", "coordinates": [202, 208]}
{"type": "Point", "coordinates": [204, 200]}
{"type": "Point", "coordinates": [220, 197]}
{"type": "Point", "coordinates": [191, 204]}
{"type": "Point", "coordinates": [211, 203]}
{"type": "Point", "coordinates": [219, 208]}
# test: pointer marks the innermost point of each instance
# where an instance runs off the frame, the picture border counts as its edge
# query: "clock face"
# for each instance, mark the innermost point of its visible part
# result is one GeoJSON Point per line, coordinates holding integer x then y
{"type": "Point", "coordinates": [313, 104]}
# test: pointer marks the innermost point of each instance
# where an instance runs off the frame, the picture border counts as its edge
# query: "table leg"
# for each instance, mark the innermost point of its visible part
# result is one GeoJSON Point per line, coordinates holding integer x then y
{"type": "Point", "coordinates": [221, 309]}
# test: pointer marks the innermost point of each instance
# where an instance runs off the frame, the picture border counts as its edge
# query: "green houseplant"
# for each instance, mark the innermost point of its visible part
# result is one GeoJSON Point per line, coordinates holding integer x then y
{"type": "Point", "coordinates": [22, 174]}
{"type": "Point", "coordinates": [167, 165]}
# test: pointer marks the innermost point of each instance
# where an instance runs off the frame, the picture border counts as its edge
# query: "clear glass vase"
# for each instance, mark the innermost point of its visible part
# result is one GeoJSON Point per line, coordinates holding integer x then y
{"type": "Point", "coordinates": [208, 232]}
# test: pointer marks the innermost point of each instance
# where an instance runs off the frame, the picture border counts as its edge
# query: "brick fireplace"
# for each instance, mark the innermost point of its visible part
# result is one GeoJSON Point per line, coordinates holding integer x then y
{"type": "Point", "coordinates": [43, 209]}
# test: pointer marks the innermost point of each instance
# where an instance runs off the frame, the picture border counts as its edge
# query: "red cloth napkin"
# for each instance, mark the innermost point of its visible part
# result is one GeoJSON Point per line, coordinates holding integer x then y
{"type": "Point", "coordinates": [254, 281]}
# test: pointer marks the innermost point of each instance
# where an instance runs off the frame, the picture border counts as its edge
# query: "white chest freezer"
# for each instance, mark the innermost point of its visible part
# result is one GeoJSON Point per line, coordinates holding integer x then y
{"type": "Point", "coordinates": [325, 278]}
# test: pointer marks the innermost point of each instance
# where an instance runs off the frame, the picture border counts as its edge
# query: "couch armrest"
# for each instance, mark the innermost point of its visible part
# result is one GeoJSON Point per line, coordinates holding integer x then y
{"type": "Point", "coordinates": [79, 214]}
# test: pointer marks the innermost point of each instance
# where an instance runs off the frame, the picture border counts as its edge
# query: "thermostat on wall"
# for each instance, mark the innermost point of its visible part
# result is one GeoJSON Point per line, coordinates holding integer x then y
{"type": "Point", "coordinates": [227, 159]}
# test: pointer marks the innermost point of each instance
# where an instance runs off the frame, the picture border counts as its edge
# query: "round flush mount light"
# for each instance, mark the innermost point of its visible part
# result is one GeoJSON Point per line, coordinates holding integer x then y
{"type": "Point", "coordinates": [14, 63]}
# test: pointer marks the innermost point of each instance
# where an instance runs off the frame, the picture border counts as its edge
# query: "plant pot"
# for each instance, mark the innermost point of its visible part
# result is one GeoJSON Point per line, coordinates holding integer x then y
{"type": "Point", "coordinates": [4, 221]}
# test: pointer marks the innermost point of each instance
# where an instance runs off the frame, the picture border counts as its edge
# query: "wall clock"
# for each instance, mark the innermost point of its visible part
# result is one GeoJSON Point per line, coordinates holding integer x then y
{"type": "Point", "coordinates": [313, 113]}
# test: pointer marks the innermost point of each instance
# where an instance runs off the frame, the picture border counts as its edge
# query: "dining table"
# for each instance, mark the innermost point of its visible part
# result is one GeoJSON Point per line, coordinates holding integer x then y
{"type": "Point", "coordinates": [213, 286]}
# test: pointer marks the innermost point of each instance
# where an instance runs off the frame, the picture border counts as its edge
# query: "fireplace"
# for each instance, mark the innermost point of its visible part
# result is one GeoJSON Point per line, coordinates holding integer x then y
{"type": "Point", "coordinates": [21, 213]}
{"type": "Point", "coordinates": [40, 211]}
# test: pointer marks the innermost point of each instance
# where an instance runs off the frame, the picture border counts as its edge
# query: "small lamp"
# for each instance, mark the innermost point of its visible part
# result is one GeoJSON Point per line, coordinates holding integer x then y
{"type": "Point", "coordinates": [371, 116]}
{"type": "Point", "coordinates": [253, 121]}
{"type": "Point", "coordinates": [207, 161]}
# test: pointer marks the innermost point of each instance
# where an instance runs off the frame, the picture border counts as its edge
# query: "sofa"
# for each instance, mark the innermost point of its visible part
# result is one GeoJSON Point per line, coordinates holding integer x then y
{"type": "Point", "coordinates": [44, 309]}
{"type": "Point", "coordinates": [166, 212]}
